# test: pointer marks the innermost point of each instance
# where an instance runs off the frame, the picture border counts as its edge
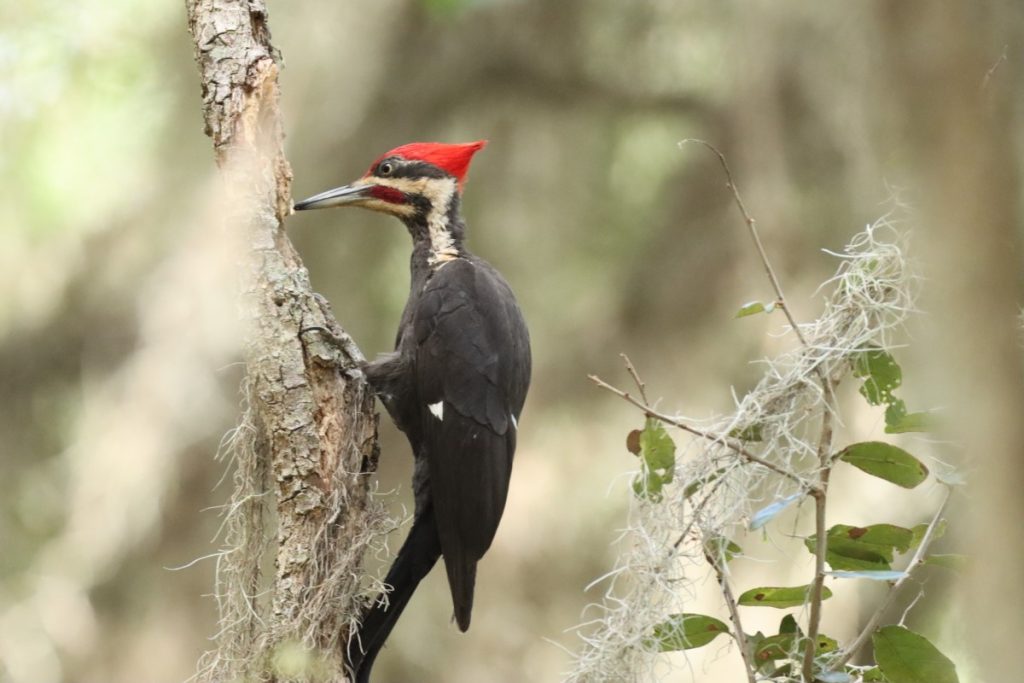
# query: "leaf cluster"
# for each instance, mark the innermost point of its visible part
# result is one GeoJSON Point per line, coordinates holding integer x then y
{"type": "Point", "coordinates": [851, 552]}
{"type": "Point", "coordinates": [881, 377]}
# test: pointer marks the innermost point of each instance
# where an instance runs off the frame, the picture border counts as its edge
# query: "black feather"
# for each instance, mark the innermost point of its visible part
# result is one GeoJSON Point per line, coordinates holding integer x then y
{"type": "Point", "coordinates": [456, 387]}
{"type": "Point", "coordinates": [417, 557]}
{"type": "Point", "coordinates": [473, 356]}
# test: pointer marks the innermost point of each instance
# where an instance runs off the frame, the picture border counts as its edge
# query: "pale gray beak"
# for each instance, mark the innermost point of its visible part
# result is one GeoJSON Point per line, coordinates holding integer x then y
{"type": "Point", "coordinates": [339, 196]}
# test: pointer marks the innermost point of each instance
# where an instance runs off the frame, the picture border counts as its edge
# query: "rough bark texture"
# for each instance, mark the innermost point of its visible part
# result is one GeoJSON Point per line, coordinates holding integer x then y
{"type": "Point", "coordinates": [315, 425]}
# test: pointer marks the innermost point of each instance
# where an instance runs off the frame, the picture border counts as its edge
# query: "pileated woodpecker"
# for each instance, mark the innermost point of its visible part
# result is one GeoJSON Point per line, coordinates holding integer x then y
{"type": "Point", "coordinates": [455, 384]}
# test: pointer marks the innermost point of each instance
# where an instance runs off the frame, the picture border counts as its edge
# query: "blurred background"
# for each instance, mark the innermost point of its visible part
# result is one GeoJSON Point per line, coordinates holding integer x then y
{"type": "Point", "coordinates": [118, 344]}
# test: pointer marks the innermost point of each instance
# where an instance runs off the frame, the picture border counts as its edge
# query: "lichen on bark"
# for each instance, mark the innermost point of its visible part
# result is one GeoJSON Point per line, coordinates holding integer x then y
{"type": "Point", "coordinates": [307, 440]}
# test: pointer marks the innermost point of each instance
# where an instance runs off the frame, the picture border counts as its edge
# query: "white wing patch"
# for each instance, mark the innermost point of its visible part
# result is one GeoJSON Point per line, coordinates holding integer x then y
{"type": "Point", "coordinates": [437, 410]}
{"type": "Point", "coordinates": [515, 422]}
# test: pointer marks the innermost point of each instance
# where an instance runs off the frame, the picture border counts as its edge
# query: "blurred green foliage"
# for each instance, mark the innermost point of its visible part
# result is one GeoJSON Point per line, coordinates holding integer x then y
{"type": "Point", "coordinates": [613, 238]}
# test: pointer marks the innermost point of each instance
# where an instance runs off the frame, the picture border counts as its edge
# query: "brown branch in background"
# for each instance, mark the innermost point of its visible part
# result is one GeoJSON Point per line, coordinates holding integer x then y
{"type": "Point", "coordinates": [316, 425]}
{"type": "Point", "coordinates": [631, 369]}
{"type": "Point", "coordinates": [752, 227]}
{"type": "Point", "coordinates": [994, 68]}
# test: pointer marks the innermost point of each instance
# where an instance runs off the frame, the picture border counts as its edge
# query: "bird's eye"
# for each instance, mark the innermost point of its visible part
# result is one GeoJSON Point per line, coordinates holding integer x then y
{"type": "Point", "coordinates": [385, 169]}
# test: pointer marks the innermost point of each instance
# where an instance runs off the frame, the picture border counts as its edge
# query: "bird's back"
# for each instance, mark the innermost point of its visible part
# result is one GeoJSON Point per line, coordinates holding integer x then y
{"type": "Point", "coordinates": [472, 368]}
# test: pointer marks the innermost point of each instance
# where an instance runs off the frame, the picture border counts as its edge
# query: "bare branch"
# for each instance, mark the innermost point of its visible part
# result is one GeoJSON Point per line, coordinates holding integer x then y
{"type": "Point", "coordinates": [734, 615]}
{"type": "Point", "coordinates": [821, 539]}
{"type": "Point", "coordinates": [636, 377]}
{"type": "Point", "coordinates": [995, 67]}
{"type": "Point", "coordinates": [825, 442]}
{"type": "Point", "coordinates": [729, 443]}
{"type": "Point", "coordinates": [752, 227]}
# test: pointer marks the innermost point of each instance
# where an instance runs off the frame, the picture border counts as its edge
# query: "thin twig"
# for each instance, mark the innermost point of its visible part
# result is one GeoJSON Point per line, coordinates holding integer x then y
{"type": "Point", "coordinates": [821, 540]}
{"type": "Point", "coordinates": [739, 450]}
{"type": "Point", "coordinates": [636, 377]}
{"type": "Point", "coordinates": [919, 556]}
{"type": "Point", "coordinates": [995, 67]}
{"type": "Point", "coordinates": [697, 510]}
{"type": "Point", "coordinates": [752, 227]}
{"type": "Point", "coordinates": [734, 615]}
{"type": "Point", "coordinates": [825, 444]}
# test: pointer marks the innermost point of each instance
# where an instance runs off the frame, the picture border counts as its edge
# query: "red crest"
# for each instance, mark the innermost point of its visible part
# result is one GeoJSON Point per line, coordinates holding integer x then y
{"type": "Point", "coordinates": [453, 159]}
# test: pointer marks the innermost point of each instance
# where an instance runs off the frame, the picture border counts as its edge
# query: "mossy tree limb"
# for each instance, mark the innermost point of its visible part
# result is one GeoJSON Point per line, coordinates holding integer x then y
{"type": "Point", "coordinates": [313, 422]}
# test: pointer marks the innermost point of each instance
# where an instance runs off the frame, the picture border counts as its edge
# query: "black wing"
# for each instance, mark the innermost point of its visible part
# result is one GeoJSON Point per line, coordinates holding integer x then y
{"type": "Point", "coordinates": [472, 372]}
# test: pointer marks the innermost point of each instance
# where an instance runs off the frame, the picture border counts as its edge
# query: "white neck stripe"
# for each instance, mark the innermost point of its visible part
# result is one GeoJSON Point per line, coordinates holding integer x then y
{"type": "Point", "coordinates": [442, 243]}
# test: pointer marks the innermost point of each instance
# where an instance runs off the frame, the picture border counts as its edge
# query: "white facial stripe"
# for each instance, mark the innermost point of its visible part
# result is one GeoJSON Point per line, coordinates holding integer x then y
{"type": "Point", "coordinates": [437, 410]}
{"type": "Point", "coordinates": [404, 210]}
{"type": "Point", "coordinates": [439, 191]}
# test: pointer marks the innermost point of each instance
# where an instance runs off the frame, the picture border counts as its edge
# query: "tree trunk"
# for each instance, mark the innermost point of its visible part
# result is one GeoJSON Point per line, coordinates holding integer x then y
{"type": "Point", "coordinates": [311, 416]}
{"type": "Point", "coordinates": [955, 96]}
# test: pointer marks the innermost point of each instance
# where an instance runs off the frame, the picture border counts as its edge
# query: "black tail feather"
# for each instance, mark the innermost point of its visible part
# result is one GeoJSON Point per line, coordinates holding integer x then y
{"type": "Point", "coordinates": [461, 580]}
{"type": "Point", "coordinates": [417, 557]}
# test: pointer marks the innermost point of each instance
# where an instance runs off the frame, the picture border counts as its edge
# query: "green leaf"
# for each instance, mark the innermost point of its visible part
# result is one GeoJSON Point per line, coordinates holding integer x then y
{"type": "Point", "coordinates": [907, 657]}
{"type": "Point", "coordinates": [779, 597]}
{"type": "Point", "coordinates": [657, 452]}
{"type": "Point", "coordinates": [947, 561]}
{"type": "Point", "coordinates": [775, 647]}
{"type": "Point", "coordinates": [785, 645]}
{"type": "Point", "coordinates": [863, 548]}
{"type": "Point", "coordinates": [886, 461]}
{"type": "Point", "coordinates": [788, 624]}
{"type": "Point", "coordinates": [880, 373]}
{"type": "Point", "coordinates": [656, 446]}
{"type": "Point", "coordinates": [648, 485]}
{"type": "Point", "coordinates": [852, 557]}
{"type": "Point", "coordinates": [921, 529]}
{"type": "Point", "coordinates": [895, 412]}
{"type": "Point", "coordinates": [852, 560]}
{"type": "Point", "coordinates": [873, 675]}
{"type": "Point", "coordinates": [753, 308]}
{"type": "Point", "coordinates": [887, 535]}
{"type": "Point", "coordinates": [754, 432]}
{"type": "Point", "coordinates": [720, 548]}
{"type": "Point", "coordinates": [687, 631]}
{"type": "Point", "coordinates": [908, 422]}
{"type": "Point", "coordinates": [826, 644]}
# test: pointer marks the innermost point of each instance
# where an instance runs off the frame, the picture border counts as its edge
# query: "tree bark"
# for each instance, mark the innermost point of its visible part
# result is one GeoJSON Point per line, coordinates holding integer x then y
{"type": "Point", "coordinates": [313, 416]}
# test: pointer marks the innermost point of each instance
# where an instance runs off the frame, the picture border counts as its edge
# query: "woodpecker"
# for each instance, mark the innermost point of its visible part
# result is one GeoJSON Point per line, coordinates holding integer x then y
{"type": "Point", "coordinates": [455, 383]}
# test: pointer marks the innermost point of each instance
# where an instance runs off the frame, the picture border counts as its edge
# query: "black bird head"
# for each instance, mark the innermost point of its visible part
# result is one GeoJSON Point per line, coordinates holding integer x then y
{"type": "Point", "coordinates": [407, 181]}
{"type": "Point", "coordinates": [419, 183]}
